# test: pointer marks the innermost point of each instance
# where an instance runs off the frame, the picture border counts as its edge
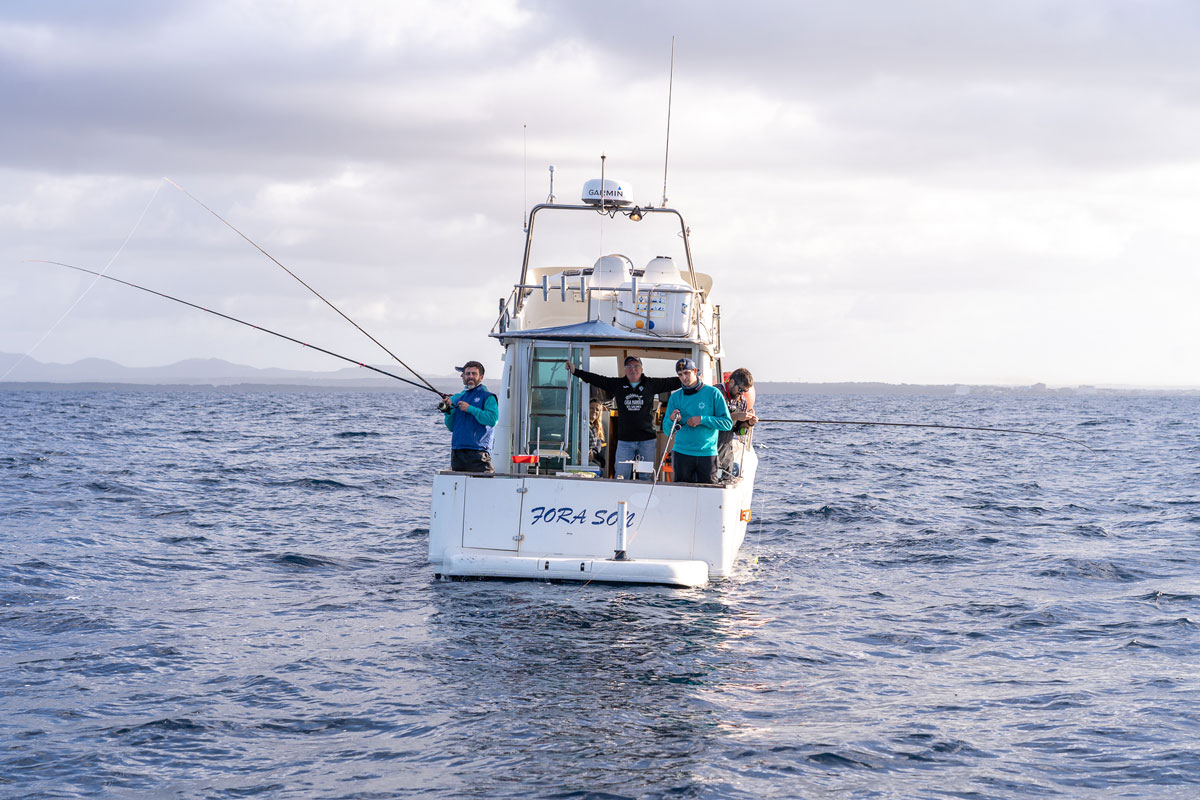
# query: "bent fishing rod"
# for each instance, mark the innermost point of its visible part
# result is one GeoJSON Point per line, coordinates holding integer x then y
{"type": "Point", "coordinates": [353, 361]}
{"type": "Point", "coordinates": [302, 283]}
{"type": "Point", "coordinates": [928, 425]}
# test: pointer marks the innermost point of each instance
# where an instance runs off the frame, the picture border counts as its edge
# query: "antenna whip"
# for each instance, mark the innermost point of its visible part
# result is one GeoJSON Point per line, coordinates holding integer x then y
{"type": "Point", "coordinates": [670, 91]}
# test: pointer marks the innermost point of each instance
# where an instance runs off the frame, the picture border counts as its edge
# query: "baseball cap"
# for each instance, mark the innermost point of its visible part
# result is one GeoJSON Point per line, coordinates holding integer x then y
{"type": "Point", "coordinates": [474, 364]}
{"type": "Point", "coordinates": [631, 359]}
{"type": "Point", "coordinates": [684, 363]}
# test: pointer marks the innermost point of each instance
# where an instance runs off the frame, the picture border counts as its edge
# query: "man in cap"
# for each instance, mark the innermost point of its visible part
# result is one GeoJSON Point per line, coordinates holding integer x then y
{"type": "Point", "coordinates": [698, 413]}
{"type": "Point", "coordinates": [471, 416]}
{"type": "Point", "coordinates": [634, 394]}
{"type": "Point", "coordinates": [739, 396]}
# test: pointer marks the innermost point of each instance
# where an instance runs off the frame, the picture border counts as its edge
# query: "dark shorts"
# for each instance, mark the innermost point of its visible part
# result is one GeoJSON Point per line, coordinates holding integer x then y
{"type": "Point", "coordinates": [693, 469]}
{"type": "Point", "coordinates": [471, 461]}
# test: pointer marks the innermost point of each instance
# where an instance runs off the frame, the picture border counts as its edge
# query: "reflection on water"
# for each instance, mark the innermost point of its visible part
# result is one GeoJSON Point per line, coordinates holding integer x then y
{"type": "Point", "coordinates": [600, 680]}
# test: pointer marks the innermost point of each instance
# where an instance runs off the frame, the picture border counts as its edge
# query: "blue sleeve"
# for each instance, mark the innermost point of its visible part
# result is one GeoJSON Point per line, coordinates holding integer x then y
{"type": "Point", "coordinates": [489, 414]}
{"type": "Point", "coordinates": [721, 419]}
{"type": "Point", "coordinates": [449, 418]}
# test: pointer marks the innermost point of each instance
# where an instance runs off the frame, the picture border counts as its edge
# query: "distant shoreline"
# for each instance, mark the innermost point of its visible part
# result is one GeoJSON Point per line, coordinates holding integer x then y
{"type": "Point", "coordinates": [218, 375]}
{"type": "Point", "coordinates": [764, 388]}
{"type": "Point", "coordinates": [244, 386]}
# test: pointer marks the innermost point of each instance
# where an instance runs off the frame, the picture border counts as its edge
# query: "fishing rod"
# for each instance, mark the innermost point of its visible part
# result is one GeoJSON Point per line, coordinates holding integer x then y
{"type": "Point", "coordinates": [928, 425]}
{"type": "Point", "coordinates": [654, 482]}
{"type": "Point", "coordinates": [666, 449]}
{"type": "Point", "coordinates": [302, 283]}
{"type": "Point", "coordinates": [241, 322]}
{"type": "Point", "coordinates": [79, 299]}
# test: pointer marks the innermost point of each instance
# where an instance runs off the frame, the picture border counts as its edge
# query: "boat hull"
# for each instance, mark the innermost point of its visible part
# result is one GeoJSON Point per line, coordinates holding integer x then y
{"type": "Point", "coordinates": [563, 527]}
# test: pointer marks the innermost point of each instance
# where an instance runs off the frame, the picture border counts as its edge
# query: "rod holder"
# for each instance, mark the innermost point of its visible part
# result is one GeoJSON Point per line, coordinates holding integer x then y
{"type": "Point", "coordinates": [619, 554]}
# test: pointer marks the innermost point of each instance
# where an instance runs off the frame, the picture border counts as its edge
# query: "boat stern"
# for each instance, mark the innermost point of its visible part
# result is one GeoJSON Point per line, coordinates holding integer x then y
{"type": "Point", "coordinates": [571, 528]}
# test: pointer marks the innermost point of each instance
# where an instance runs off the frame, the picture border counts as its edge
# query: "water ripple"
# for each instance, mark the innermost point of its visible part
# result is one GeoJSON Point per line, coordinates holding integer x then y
{"type": "Point", "coordinates": [238, 605]}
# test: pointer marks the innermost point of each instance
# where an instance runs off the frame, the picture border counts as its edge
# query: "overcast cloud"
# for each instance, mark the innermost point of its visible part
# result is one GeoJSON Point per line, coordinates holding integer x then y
{"type": "Point", "coordinates": [898, 191]}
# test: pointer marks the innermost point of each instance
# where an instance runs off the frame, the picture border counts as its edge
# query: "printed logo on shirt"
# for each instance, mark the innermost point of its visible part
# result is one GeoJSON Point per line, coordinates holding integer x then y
{"type": "Point", "coordinates": [703, 406]}
{"type": "Point", "coordinates": [634, 402]}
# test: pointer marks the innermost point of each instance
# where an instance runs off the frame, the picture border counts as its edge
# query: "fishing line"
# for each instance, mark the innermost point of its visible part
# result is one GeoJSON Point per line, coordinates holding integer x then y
{"type": "Point", "coordinates": [95, 280]}
{"type": "Point", "coordinates": [928, 425]}
{"type": "Point", "coordinates": [241, 322]}
{"type": "Point", "coordinates": [653, 483]}
{"type": "Point", "coordinates": [302, 283]}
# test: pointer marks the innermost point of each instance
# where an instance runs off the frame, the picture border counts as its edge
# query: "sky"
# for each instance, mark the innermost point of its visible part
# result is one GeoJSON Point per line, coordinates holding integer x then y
{"type": "Point", "coordinates": [999, 192]}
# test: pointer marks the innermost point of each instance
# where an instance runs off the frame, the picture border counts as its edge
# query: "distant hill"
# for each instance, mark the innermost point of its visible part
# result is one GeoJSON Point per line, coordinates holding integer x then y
{"type": "Point", "coordinates": [200, 372]}
{"type": "Point", "coordinates": [957, 389]}
{"type": "Point", "coordinates": [95, 373]}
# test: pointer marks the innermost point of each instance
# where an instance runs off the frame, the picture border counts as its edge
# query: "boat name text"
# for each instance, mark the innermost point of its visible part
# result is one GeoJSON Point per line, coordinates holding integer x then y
{"type": "Point", "coordinates": [569, 516]}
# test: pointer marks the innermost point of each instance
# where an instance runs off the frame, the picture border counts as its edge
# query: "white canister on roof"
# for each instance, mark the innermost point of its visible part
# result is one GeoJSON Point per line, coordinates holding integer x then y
{"type": "Point", "coordinates": [663, 305]}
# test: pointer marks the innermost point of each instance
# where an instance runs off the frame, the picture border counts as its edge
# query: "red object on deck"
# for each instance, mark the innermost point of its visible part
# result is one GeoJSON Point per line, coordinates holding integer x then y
{"type": "Point", "coordinates": [530, 459]}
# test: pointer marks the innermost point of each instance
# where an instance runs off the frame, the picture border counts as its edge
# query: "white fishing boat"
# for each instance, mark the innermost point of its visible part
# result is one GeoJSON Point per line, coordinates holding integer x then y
{"type": "Point", "coordinates": [547, 513]}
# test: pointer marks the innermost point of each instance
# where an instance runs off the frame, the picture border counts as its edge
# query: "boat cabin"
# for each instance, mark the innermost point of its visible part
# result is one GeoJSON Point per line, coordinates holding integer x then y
{"type": "Point", "coordinates": [594, 316]}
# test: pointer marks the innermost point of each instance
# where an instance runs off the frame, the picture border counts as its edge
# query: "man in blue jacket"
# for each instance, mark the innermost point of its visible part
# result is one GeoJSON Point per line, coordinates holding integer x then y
{"type": "Point", "coordinates": [700, 412]}
{"type": "Point", "coordinates": [471, 416]}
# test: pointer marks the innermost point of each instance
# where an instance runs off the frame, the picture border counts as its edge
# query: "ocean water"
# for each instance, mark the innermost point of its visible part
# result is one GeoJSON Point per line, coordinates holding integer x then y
{"type": "Point", "coordinates": [225, 595]}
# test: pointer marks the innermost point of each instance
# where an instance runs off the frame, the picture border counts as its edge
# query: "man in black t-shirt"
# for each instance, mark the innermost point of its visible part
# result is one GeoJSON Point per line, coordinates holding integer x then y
{"type": "Point", "coordinates": [634, 395]}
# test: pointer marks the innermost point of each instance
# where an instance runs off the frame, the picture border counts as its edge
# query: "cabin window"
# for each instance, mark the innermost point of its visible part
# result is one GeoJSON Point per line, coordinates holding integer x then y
{"type": "Point", "coordinates": [554, 407]}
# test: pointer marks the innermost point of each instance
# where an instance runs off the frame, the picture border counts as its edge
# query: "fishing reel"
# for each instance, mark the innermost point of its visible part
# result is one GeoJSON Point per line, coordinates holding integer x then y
{"type": "Point", "coordinates": [445, 406]}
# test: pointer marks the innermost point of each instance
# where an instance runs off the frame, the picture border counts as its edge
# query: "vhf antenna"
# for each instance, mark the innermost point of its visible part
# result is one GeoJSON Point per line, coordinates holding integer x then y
{"type": "Point", "coordinates": [670, 90]}
{"type": "Point", "coordinates": [525, 177]}
{"type": "Point", "coordinates": [602, 157]}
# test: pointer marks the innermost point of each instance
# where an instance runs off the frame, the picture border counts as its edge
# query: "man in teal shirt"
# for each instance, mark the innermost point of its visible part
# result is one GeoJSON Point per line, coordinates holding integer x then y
{"type": "Point", "coordinates": [700, 412]}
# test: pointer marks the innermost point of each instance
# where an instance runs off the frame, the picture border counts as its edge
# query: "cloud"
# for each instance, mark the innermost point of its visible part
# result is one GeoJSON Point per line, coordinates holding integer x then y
{"type": "Point", "coordinates": [900, 190]}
